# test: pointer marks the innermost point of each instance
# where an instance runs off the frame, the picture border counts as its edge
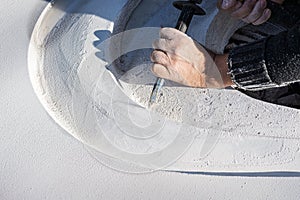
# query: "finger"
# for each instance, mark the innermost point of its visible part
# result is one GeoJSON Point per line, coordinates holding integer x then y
{"type": "Point", "coordinates": [244, 10]}
{"type": "Point", "coordinates": [160, 71]}
{"type": "Point", "coordinates": [237, 6]}
{"type": "Point", "coordinates": [265, 16]}
{"type": "Point", "coordinates": [257, 11]}
{"type": "Point", "coordinates": [226, 4]}
{"type": "Point", "coordinates": [160, 57]}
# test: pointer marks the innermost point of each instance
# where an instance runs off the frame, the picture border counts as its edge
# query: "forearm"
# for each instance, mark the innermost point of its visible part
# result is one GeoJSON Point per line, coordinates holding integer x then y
{"type": "Point", "coordinates": [275, 59]}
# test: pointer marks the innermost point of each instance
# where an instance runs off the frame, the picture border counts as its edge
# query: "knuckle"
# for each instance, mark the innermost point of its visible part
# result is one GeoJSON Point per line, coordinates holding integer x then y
{"type": "Point", "coordinates": [160, 57]}
{"type": "Point", "coordinates": [167, 31]}
{"type": "Point", "coordinates": [155, 55]}
{"type": "Point", "coordinates": [163, 30]}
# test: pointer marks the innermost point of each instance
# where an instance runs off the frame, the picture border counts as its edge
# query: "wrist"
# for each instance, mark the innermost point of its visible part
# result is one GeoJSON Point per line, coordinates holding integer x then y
{"type": "Point", "coordinates": [221, 62]}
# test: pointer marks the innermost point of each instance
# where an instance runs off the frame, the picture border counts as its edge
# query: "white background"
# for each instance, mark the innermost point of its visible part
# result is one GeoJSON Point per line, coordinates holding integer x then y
{"type": "Point", "coordinates": [38, 160]}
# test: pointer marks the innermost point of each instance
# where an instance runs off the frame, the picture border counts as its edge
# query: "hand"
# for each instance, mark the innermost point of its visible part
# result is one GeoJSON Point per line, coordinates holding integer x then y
{"type": "Point", "coordinates": [179, 58]}
{"type": "Point", "coordinates": [250, 11]}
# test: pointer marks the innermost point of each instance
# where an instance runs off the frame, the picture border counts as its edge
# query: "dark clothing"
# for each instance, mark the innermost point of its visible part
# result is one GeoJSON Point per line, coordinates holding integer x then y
{"type": "Point", "coordinates": [283, 56]}
{"type": "Point", "coordinates": [273, 62]}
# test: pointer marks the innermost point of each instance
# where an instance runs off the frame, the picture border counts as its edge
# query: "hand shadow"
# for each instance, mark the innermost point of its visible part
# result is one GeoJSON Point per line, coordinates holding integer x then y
{"type": "Point", "coordinates": [132, 67]}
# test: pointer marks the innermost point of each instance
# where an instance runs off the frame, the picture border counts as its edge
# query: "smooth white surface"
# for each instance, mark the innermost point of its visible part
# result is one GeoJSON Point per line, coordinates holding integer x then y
{"type": "Point", "coordinates": [40, 161]}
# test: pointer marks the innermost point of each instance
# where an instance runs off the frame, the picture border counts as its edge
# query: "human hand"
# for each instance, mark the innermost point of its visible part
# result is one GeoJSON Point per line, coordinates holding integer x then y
{"type": "Point", "coordinates": [179, 58]}
{"type": "Point", "coordinates": [250, 11]}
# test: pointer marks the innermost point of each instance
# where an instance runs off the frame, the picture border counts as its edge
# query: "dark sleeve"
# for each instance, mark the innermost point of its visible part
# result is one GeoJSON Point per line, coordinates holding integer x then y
{"type": "Point", "coordinates": [283, 56]}
{"type": "Point", "coordinates": [271, 62]}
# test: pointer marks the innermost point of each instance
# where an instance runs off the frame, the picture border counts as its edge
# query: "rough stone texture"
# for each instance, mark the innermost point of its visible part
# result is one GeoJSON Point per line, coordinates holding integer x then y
{"type": "Point", "coordinates": [89, 102]}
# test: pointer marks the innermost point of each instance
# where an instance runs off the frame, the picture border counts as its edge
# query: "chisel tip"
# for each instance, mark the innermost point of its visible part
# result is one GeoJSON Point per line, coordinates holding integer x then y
{"type": "Point", "coordinates": [156, 89]}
